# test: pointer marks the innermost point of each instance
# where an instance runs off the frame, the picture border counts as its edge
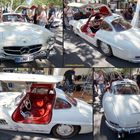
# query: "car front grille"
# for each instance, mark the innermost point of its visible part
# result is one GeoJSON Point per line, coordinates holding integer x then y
{"type": "Point", "coordinates": [21, 50]}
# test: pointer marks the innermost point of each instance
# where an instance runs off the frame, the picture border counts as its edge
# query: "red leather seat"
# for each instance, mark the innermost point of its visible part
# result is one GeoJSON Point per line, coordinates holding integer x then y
{"type": "Point", "coordinates": [38, 108]}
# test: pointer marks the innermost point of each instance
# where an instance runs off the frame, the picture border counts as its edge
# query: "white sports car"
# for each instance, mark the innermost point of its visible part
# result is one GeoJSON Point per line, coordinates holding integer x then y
{"type": "Point", "coordinates": [24, 42]}
{"type": "Point", "coordinates": [13, 17]}
{"type": "Point", "coordinates": [114, 37]}
{"type": "Point", "coordinates": [43, 108]}
{"type": "Point", "coordinates": [122, 107]}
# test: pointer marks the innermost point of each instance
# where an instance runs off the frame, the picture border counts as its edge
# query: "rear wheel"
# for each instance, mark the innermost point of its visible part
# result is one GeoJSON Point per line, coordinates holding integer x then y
{"type": "Point", "coordinates": [106, 49]}
{"type": "Point", "coordinates": [65, 131]}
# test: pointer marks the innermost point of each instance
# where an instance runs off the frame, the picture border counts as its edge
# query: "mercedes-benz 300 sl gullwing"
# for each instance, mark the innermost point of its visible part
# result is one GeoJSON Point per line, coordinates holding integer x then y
{"type": "Point", "coordinates": [121, 105]}
{"type": "Point", "coordinates": [42, 108]}
{"type": "Point", "coordinates": [24, 42]}
{"type": "Point", "coordinates": [113, 35]}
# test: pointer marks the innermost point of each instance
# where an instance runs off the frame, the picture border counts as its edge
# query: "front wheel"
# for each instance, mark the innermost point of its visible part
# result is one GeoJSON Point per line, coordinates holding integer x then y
{"type": "Point", "coordinates": [65, 131]}
{"type": "Point", "coordinates": [106, 49]}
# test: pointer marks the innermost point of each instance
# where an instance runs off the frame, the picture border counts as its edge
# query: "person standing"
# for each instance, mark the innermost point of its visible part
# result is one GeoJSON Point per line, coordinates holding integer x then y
{"type": "Point", "coordinates": [100, 81]}
{"type": "Point", "coordinates": [36, 14]}
{"type": "Point", "coordinates": [51, 15]}
{"type": "Point", "coordinates": [69, 80]}
{"type": "Point", "coordinates": [43, 16]}
{"type": "Point", "coordinates": [68, 12]}
{"type": "Point", "coordinates": [138, 80]}
{"type": "Point", "coordinates": [1, 15]}
{"type": "Point", "coordinates": [95, 85]}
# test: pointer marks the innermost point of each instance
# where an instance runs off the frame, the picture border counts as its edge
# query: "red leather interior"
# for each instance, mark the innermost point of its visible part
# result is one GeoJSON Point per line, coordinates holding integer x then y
{"type": "Point", "coordinates": [104, 11]}
{"type": "Point", "coordinates": [41, 109]}
{"type": "Point", "coordinates": [84, 27]}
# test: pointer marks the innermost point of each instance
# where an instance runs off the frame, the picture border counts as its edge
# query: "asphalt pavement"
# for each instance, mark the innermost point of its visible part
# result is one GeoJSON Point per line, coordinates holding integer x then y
{"type": "Point", "coordinates": [11, 135]}
{"type": "Point", "coordinates": [79, 52]}
{"type": "Point", "coordinates": [55, 59]}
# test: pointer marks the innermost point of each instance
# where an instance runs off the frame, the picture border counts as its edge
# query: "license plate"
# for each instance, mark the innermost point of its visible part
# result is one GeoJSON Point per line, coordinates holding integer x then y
{"type": "Point", "coordinates": [135, 131]}
{"type": "Point", "coordinates": [24, 59]}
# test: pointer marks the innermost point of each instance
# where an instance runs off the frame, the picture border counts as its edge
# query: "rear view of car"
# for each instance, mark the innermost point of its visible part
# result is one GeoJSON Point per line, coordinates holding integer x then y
{"type": "Point", "coordinates": [123, 101]}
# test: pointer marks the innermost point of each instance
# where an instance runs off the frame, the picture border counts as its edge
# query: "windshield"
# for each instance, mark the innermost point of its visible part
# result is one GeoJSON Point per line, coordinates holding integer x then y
{"type": "Point", "coordinates": [126, 89]}
{"type": "Point", "coordinates": [71, 100]}
{"type": "Point", "coordinates": [121, 25]}
{"type": "Point", "coordinates": [15, 18]}
{"type": "Point", "coordinates": [40, 90]}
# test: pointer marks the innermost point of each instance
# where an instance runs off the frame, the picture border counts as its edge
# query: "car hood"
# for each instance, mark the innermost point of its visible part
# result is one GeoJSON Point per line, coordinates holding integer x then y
{"type": "Point", "coordinates": [127, 110]}
{"type": "Point", "coordinates": [25, 33]}
{"type": "Point", "coordinates": [132, 35]}
{"type": "Point", "coordinates": [8, 98]}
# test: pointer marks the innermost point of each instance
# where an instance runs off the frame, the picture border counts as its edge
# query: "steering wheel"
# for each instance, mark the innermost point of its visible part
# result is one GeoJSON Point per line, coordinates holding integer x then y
{"type": "Point", "coordinates": [27, 104]}
{"type": "Point", "coordinates": [26, 114]}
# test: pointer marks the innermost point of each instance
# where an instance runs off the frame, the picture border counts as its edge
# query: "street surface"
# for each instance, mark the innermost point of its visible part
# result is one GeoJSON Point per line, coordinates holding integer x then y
{"type": "Point", "coordinates": [79, 52]}
{"type": "Point", "coordinates": [55, 59]}
{"type": "Point", "coordinates": [11, 135]}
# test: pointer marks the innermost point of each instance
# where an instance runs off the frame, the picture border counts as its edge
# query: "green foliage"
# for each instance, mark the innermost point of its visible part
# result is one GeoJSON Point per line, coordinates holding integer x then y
{"type": "Point", "coordinates": [16, 3]}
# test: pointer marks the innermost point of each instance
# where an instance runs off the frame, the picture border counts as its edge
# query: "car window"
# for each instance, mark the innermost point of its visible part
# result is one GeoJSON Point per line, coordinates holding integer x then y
{"type": "Point", "coordinates": [15, 18]}
{"type": "Point", "coordinates": [106, 26]}
{"type": "Point", "coordinates": [121, 25]}
{"type": "Point", "coordinates": [71, 100]}
{"type": "Point", "coordinates": [126, 89]}
{"type": "Point", "coordinates": [61, 104]}
{"type": "Point", "coordinates": [40, 90]}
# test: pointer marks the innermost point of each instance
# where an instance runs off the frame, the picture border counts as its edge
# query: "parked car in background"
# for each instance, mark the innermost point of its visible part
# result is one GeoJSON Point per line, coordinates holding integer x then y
{"type": "Point", "coordinates": [42, 108]}
{"type": "Point", "coordinates": [121, 104]}
{"type": "Point", "coordinates": [13, 17]}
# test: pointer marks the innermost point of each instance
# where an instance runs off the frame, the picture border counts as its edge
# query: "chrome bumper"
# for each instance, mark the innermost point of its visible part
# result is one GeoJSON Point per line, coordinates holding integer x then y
{"type": "Point", "coordinates": [129, 130]}
{"type": "Point", "coordinates": [42, 54]}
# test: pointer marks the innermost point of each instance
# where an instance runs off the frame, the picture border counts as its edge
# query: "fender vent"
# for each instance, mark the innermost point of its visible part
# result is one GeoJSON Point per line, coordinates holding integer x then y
{"type": "Point", "coordinates": [3, 122]}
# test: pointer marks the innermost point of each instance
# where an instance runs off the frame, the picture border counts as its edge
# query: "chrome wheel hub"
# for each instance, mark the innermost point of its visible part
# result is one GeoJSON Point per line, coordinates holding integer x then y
{"type": "Point", "coordinates": [65, 130]}
{"type": "Point", "coordinates": [105, 48]}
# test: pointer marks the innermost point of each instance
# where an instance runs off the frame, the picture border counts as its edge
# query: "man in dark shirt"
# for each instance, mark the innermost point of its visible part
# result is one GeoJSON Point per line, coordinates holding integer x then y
{"type": "Point", "coordinates": [69, 77]}
{"type": "Point", "coordinates": [51, 15]}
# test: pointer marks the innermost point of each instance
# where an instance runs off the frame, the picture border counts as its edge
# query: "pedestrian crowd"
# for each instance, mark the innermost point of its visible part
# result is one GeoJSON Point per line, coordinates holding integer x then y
{"type": "Point", "coordinates": [41, 14]}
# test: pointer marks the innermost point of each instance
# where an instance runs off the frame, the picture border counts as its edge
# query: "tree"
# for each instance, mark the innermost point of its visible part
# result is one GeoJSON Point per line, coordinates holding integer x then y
{"type": "Point", "coordinates": [16, 3]}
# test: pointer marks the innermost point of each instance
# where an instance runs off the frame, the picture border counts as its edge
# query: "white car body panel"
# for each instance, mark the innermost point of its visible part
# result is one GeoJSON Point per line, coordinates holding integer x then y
{"type": "Point", "coordinates": [13, 77]}
{"type": "Point", "coordinates": [80, 115]}
{"type": "Point", "coordinates": [123, 110]}
{"type": "Point", "coordinates": [76, 4]}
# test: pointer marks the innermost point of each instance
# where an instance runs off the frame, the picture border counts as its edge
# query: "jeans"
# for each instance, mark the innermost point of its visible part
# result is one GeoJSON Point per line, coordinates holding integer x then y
{"type": "Point", "coordinates": [41, 23]}
{"type": "Point", "coordinates": [101, 87]}
{"type": "Point", "coordinates": [69, 19]}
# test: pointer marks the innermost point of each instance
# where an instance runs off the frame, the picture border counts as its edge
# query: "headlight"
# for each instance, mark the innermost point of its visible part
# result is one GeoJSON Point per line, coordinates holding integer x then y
{"type": "Point", "coordinates": [51, 40]}
{"type": "Point", "coordinates": [114, 124]}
